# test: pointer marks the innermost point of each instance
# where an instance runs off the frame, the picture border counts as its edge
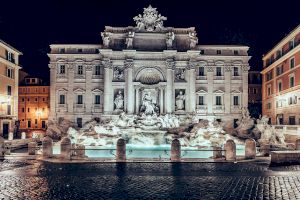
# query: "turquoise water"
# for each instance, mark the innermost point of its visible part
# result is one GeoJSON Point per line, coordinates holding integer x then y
{"type": "Point", "coordinates": [162, 151]}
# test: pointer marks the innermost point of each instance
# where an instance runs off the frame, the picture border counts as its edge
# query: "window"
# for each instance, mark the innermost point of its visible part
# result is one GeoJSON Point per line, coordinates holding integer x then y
{"type": "Point", "coordinates": [279, 70]}
{"type": "Point", "coordinates": [218, 71]}
{"type": "Point", "coordinates": [79, 50]}
{"type": "Point", "coordinates": [218, 100]}
{"type": "Point", "coordinates": [97, 99]}
{"type": "Point", "coordinates": [201, 52]}
{"type": "Point", "coordinates": [23, 110]}
{"type": "Point", "coordinates": [97, 70]}
{"type": "Point", "coordinates": [43, 99]}
{"type": "Point", "coordinates": [10, 56]}
{"type": "Point", "coordinates": [28, 99]}
{"type": "Point", "coordinates": [62, 50]}
{"type": "Point", "coordinates": [269, 75]}
{"type": "Point", "coordinates": [292, 81]}
{"type": "Point", "coordinates": [33, 80]}
{"type": "Point", "coordinates": [61, 99]}
{"type": "Point", "coordinates": [9, 90]}
{"type": "Point", "coordinates": [236, 52]}
{"type": "Point", "coordinates": [254, 91]}
{"type": "Point", "coordinates": [235, 71]}
{"type": "Point", "coordinates": [278, 54]}
{"type": "Point", "coordinates": [291, 44]}
{"type": "Point", "coordinates": [79, 69]}
{"type": "Point", "coordinates": [292, 63]}
{"type": "Point", "coordinates": [292, 120]}
{"type": "Point", "coordinates": [201, 100]}
{"type": "Point", "coordinates": [44, 89]}
{"type": "Point", "coordinates": [28, 109]}
{"type": "Point", "coordinates": [269, 106]}
{"type": "Point", "coordinates": [9, 72]}
{"type": "Point", "coordinates": [201, 71]}
{"type": "Point", "coordinates": [290, 100]}
{"type": "Point", "coordinates": [62, 69]}
{"type": "Point", "coordinates": [36, 99]}
{"type": "Point", "coordinates": [8, 109]}
{"type": "Point", "coordinates": [79, 99]}
{"type": "Point", "coordinates": [35, 121]}
{"type": "Point", "coordinates": [219, 52]}
{"type": "Point", "coordinates": [279, 86]}
{"type": "Point", "coordinates": [29, 124]}
{"type": "Point", "coordinates": [269, 90]}
{"type": "Point", "coordinates": [236, 100]}
{"type": "Point", "coordinates": [79, 122]}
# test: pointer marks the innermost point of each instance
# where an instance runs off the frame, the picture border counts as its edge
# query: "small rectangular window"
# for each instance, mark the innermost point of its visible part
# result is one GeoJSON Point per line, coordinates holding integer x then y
{"type": "Point", "coordinates": [201, 100]}
{"type": "Point", "coordinates": [201, 71]}
{"type": "Point", "coordinates": [235, 71]}
{"type": "Point", "coordinates": [236, 52]}
{"type": "Point", "coordinates": [79, 69]}
{"type": "Point", "coordinates": [8, 109]}
{"type": "Point", "coordinates": [97, 70]}
{"type": "Point", "coordinates": [29, 124]}
{"type": "Point", "coordinates": [218, 100]}
{"type": "Point", "coordinates": [23, 110]}
{"type": "Point", "coordinates": [79, 122]}
{"type": "Point", "coordinates": [279, 86]}
{"type": "Point", "coordinates": [9, 90]}
{"type": "Point", "coordinates": [79, 99]}
{"type": "Point", "coordinates": [292, 63]}
{"type": "Point", "coordinates": [62, 50]}
{"type": "Point", "coordinates": [292, 120]}
{"type": "Point", "coordinates": [292, 81]}
{"type": "Point", "coordinates": [219, 52]}
{"type": "Point", "coordinates": [62, 99]}
{"type": "Point", "coordinates": [218, 71]}
{"type": "Point", "coordinates": [79, 50]}
{"type": "Point", "coordinates": [236, 100]}
{"type": "Point", "coordinates": [62, 69]}
{"type": "Point", "coordinates": [97, 99]}
{"type": "Point", "coordinates": [28, 109]}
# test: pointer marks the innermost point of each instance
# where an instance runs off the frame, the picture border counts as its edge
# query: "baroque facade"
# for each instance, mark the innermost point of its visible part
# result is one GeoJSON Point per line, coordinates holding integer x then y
{"type": "Point", "coordinates": [145, 70]}
{"type": "Point", "coordinates": [281, 83]}
{"type": "Point", "coordinates": [9, 80]}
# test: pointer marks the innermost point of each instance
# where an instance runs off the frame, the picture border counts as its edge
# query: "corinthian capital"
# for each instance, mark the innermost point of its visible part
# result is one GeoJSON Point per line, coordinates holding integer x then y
{"type": "Point", "coordinates": [170, 63]}
{"type": "Point", "coordinates": [227, 68]}
{"type": "Point", "coordinates": [192, 65]}
{"type": "Point", "coordinates": [245, 68]}
{"type": "Point", "coordinates": [107, 63]}
{"type": "Point", "coordinates": [128, 63]}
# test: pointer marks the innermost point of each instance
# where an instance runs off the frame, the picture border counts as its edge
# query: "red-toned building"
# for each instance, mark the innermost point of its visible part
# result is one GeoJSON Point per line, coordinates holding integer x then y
{"type": "Point", "coordinates": [281, 81]}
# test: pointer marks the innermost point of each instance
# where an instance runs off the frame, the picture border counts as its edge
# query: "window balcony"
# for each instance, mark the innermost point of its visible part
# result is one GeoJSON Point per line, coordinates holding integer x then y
{"type": "Point", "coordinates": [79, 108]}
{"type": "Point", "coordinates": [201, 108]}
{"type": "Point", "coordinates": [97, 108]}
{"type": "Point", "coordinates": [62, 108]}
{"type": "Point", "coordinates": [218, 108]}
{"type": "Point", "coordinates": [236, 109]}
{"type": "Point", "coordinates": [201, 77]}
{"type": "Point", "coordinates": [219, 77]}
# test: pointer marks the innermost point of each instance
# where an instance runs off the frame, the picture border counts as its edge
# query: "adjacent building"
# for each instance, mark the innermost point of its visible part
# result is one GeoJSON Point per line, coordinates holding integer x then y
{"type": "Point", "coordinates": [9, 80]}
{"type": "Point", "coordinates": [34, 104]}
{"type": "Point", "coordinates": [254, 95]}
{"type": "Point", "coordinates": [281, 81]}
{"type": "Point", "coordinates": [148, 69]}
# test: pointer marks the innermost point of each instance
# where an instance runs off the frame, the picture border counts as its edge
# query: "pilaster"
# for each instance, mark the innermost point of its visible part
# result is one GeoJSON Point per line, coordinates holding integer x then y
{"type": "Point", "coordinates": [227, 95]}
{"type": "Point", "coordinates": [130, 89]}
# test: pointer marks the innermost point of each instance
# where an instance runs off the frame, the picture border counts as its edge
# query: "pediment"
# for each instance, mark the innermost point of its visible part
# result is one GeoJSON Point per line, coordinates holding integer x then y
{"type": "Point", "coordinates": [236, 92]}
{"type": "Point", "coordinates": [237, 62]}
{"type": "Point", "coordinates": [218, 92]}
{"type": "Point", "coordinates": [219, 62]}
{"type": "Point", "coordinates": [62, 90]}
{"type": "Point", "coordinates": [79, 90]}
{"type": "Point", "coordinates": [201, 91]}
{"type": "Point", "coordinates": [97, 90]}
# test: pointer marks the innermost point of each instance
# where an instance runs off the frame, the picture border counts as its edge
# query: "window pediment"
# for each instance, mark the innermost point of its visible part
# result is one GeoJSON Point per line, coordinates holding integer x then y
{"type": "Point", "coordinates": [219, 92]}
{"type": "Point", "coordinates": [97, 91]}
{"type": "Point", "coordinates": [79, 90]}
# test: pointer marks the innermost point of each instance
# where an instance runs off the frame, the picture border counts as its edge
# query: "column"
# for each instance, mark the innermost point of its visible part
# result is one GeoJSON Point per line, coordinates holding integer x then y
{"type": "Point", "coordinates": [108, 91]}
{"type": "Point", "coordinates": [169, 101]}
{"type": "Point", "coordinates": [227, 95]}
{"type": "Point", "coordinates": [70, 94]}
{"type": "Point", "coordinates": [210, 84]}
{"type": "Point", "coordinates": [53, 96]}
{"type": "Point", "coordinates": [161, 100]}
{"type": "Point", "coordinates": [137, 101]}
{"type": "Point", "coordinates": [245, 69]}
{"type": "Point", "coordinates": [192, 87]}
{"type": "Point", "coordinates": [88, 97]}
{"type": "Point", "coordinates": [129, 84]}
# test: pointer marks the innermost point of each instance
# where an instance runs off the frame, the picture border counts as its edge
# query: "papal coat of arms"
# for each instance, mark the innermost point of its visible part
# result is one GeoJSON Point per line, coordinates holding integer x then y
{"type": "Point", "coordinates": [150, 21]}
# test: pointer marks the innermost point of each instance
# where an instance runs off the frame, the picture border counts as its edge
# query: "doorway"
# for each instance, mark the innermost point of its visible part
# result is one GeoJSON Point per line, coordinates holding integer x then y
{"type": "Point", "coordinates": [5, 130]}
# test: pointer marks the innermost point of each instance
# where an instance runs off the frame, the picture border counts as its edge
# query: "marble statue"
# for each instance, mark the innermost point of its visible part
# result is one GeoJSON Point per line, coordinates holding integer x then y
{"type": "Point", "coordinates": [118, 73]}
{"type": "Point", "coordinates": [148, 106]}
{"type": "Point", "coordinates": [129, 40]}
{"type": "Point", "coordinates": [193, 40]}
{"type": "Point", "coordinates": [180, 75]}
{"type": "Point", "coordinates": [169, 39]}
{"type": "Point", "coordinates": [150, 20]}
{"type": "Point", "coordinates": [119, 101]}
{"type": "Point", "coordinates": [105, 39]}
{"type": "Point", "coordinates": [180, 101]}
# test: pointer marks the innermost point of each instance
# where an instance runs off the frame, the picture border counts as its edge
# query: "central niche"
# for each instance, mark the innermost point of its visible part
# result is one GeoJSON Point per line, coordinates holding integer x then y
{"type": "Point", "coordinates": [149, 76]}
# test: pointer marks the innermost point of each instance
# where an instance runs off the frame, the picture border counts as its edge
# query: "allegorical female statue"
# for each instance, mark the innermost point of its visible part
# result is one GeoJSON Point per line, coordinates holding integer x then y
{"type": "Point", "coordinates": [180, 101]}
{"type": "Point", "coordinates": [119, 101]}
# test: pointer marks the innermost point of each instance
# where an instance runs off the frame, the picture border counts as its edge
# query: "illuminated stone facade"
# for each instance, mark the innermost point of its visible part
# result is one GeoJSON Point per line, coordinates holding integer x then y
{"type": "Point", "coordinates": [9, 79]}
{"type": "Point", "coordinates": [281, 81]}
{"type": "Point", "coordinates": [148, 69]}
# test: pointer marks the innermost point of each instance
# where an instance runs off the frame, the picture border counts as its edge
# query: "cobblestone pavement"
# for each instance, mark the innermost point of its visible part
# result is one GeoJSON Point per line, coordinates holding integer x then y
{"type": "Point", "coordinates": [35, 180]}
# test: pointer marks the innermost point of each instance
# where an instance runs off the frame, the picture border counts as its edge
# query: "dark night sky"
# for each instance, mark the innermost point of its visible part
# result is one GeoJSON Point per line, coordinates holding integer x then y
{"type": "Point", "coordinates": [31, 26]}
